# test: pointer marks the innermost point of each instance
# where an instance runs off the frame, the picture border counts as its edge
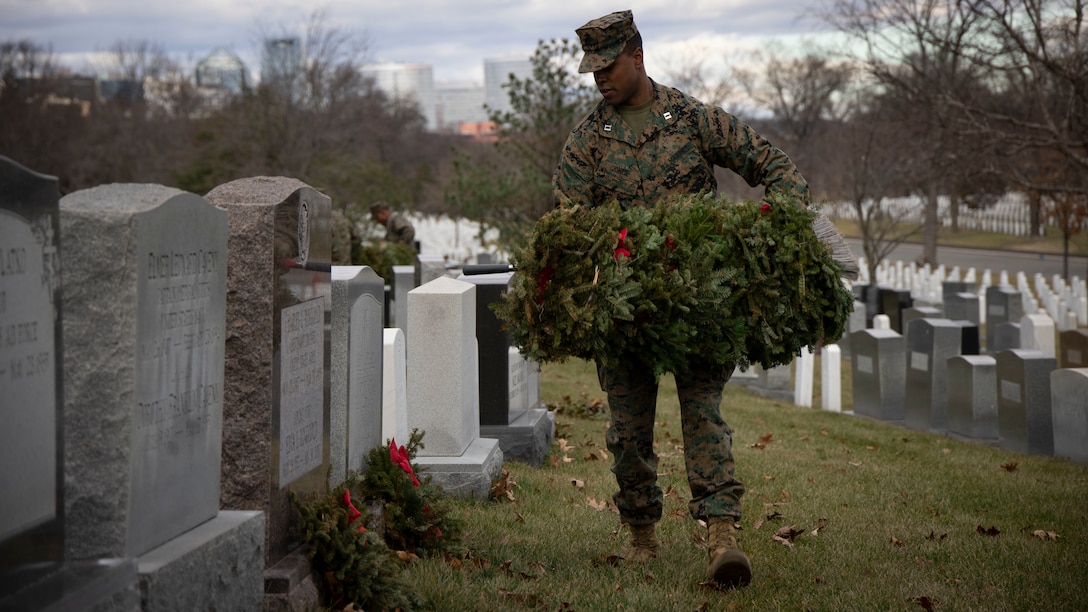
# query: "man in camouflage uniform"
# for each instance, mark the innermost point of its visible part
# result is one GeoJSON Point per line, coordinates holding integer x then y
{"type": "Point", "coordinates": [398, 228]}
{"type": "Point", "coordinates": [645, 141]}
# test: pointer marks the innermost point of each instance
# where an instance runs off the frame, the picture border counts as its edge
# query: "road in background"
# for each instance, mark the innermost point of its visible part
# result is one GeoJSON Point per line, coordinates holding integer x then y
{"type": "Point", "coordinates": [1047, 264]}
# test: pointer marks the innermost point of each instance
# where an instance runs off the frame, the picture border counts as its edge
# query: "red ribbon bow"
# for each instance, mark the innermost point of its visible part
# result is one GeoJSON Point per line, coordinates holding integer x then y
{"type": "Point", "coordinates": [399, 456]}
{"type": "Point", "coordinates": [353, 512]}
{"type": "Point", "coordinates": [621, 250]}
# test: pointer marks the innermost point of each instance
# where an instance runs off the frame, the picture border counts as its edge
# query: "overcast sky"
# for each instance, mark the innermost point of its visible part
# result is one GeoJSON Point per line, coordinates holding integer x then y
{"type": "Point", "coordinates": [453, 36]}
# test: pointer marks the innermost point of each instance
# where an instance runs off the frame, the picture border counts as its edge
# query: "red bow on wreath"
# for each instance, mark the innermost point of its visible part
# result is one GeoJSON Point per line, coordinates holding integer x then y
{"type": "Point", "coordinates": [621, 250]}
{"type": "Point", "coordinates": [399, 456]}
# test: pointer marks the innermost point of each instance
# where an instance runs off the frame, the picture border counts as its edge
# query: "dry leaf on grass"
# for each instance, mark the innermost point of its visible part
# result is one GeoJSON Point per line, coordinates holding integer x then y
{"type": "Point", "coordinates": [504, 486]}
{"type": "Point", "coordinates": [896, 542]}
{"type": "Point", "coordinates": [785, 535]}
{"type": "Point", "coordinates": [1010, 466]}
{"type": "Point", "coordinates": [992, 531]}
{"type": "Point", "coordinates": [820, 524]}
{"type": "Point", "coordinates": [578, 484]}
{"type": "Point", "coordinates": [1045, 535]}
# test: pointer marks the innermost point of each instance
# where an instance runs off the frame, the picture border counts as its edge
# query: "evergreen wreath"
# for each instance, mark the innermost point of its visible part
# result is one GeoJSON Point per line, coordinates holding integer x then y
{"type": "Point", "coordinates": [696, 279]}
{"type": "Point", "coordinates": [359, 565]}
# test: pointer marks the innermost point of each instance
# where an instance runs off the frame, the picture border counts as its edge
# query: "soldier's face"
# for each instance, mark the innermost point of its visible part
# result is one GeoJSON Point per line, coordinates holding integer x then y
{"type": "Point", "coordinates": [620, 81]}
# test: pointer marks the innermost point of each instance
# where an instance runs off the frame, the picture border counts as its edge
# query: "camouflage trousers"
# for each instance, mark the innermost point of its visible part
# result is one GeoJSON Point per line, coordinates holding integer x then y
{"type": "Point", "coordinates": [708, 443]}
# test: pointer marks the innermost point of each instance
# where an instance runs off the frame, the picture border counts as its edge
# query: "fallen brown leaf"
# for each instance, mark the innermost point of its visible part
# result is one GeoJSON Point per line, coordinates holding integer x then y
{"type": "Point", "coordinates": [766, 438]}
{"type": "Point", "coordinates": [504, 486]}
{"type": "Point", "coordinates": [934, 537]}
{"type": "Point", "coordinates": [578, 484]}
{"type": "Point", "coordinates": [896, 542]}
{"type": "Point", "coordinates": [758, 446]}
{"type": "Point", "coordinates": [785, 535]}
{"type": "Point", "coordinates": [820, 524]}
{"type": "Point", "coordinates": [564, 446]}
{"type": "Point", "coordinates": [992, 531]}
{"type": "Point", "coordinates": [1010, 466]}
{"type": "Point", "coordinates": [1045, 535]}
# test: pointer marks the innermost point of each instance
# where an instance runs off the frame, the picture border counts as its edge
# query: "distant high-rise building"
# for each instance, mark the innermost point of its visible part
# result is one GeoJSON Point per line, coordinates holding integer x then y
{"type": "Point", "coordinates": [281, 60]}
{"type": "Point", "coordinates": [222, 69]}
{"type": "Point", "coordinates": [460, 104]}
{"type": "Point", "coordinates": [497, 73]}
{"type": "Point", "coordinates": [407, 83]}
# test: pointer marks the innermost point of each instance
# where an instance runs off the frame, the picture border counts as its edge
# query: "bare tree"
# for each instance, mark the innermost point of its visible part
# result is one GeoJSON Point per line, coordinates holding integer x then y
{"type": "Point", "coordinates": [690, 73]}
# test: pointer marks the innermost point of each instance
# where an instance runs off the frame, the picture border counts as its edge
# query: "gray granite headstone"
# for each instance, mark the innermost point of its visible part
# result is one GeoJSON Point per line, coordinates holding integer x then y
{"type": "Point", "coordinates": [856, 322]}
{"type": "Point", "coordinates": [1002, 336]}
{"type": "Point", "coordinates": [919, 312]}
{"type": "Point", "coordinates": [404, 280]}
{"type": "Point", "coordinates": [1003, 305]}
{"type": "Point", "coordinates": [356, 368]}
{"type": "Point", "coordinates": [31, 440]}
{"type": "Point", "coordinates": [878, 361]}
{"type": "Point", "coordinates": [950, 287]}
{"type": "Point", "coordinates": [1069, 401]}
{"type": "Point", "coordinates": [144, 348]}
{"type": "Point", "coordinates": [972, 396]}
{"type": "Point", "coordinates": [1024, 413]}
{"type": "Point", "coordinates": [962, 306]}
{"type": "Point", "coordinates": [1073, 352]}
{"type": "Point", "coordinates": [930, 343]}
{"type": "Point", "coordinates": [276, 418]}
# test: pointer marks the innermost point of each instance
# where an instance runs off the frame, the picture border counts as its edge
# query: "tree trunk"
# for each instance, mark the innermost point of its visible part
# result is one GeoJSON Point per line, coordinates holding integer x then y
{"type": "Point", "coordinates": [931, 223]}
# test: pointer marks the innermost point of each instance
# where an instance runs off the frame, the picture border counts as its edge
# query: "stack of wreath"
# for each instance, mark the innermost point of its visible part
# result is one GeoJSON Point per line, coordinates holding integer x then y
{"type": "Point", "coordinates": [695, 278]}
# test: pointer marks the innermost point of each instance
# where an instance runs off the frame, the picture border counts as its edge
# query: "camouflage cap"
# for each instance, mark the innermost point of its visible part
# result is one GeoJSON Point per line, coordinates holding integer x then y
{"type": "Point", "coordinates": [603, 39]}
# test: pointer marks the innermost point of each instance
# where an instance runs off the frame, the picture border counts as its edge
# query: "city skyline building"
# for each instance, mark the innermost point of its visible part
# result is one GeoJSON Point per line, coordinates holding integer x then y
{"type": "Point", "coordinates": [223, 69]}
{"type": "Point", "coordinates": [407, 82]}
{"type": "Point", "coordinates": [497, 73]}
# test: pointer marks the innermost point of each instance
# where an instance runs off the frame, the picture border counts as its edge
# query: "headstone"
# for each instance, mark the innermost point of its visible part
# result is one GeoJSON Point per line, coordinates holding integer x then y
{"type": "Point", "coordinates": [1003, 305]}
{"type": "Point", "coordinates": [831, 378]}
{"type": "Point", "coordinates": [356, 368]}
{"type": "Point", "coordinates": [1024, 412]}
{"type": "Point", "coordinates": [1074, 348]}
{"type": "Point", "coordinates": [802, 378]}
{"type": "Point", "coordinates": [1037, 332]}
{"type": "Point", "coordinates": [1004, 336]}
{"type": "Point", "coordinates": [144, 350]}
{"type": "Point", "coordinates": [443, 389]}
{"type": "Point", "coordinates": [1069, 400]}
{"type": "Point", "coordinates": [879, 368]}
{"type": "Point", "coordinates": [276, 413]}
{"type": "Point", "coordinates": [33, 572]}
{"type": "Point", "coordinates": [428, 268]}
{"type": "Point", "coordinates": [962, 306]}
{"type": "Point", "coordinates": [919, 312]}
{"type": "Point", "coordinates": [394, 386]}
{"type": "Point", "coordinates": [972, 397]}
{"type": "Point", "coordinates": [404, 280]}
{"type": "Point", "coordinates": [856, 322]}
{"type": "Point", "coordinates": [930, 343]}
{"type": "Point", "coordinates": [892, 303]}
{"type": "Point", "coordinates": [881, 321]}
{"type": "Point", "coordinates": [504, 381]}
{"type": "Point", "coordinates": [969, 337]}
{"type": "Point", "coordinates": [950, 287]}
{"type": "Point", "coordinates": [775, 383]}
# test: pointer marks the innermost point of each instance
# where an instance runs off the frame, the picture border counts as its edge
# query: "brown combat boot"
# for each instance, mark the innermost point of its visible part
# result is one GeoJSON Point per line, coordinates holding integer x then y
{"type": "Point", "coordinates": [729, 567]}
{"type": "Point", "coordinates": [644, 545]}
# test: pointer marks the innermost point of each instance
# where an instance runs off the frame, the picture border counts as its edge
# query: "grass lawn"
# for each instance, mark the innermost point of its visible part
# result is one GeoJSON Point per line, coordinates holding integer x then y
{"type": "Point", "coordinates": [886, 518]}
{"type": "Point", "coordinates": [1049, 242]}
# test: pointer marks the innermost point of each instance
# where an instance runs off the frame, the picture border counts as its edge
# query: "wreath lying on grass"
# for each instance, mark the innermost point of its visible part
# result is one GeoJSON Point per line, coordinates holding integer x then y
{"type": "Point", "coordinates": [695, 278]}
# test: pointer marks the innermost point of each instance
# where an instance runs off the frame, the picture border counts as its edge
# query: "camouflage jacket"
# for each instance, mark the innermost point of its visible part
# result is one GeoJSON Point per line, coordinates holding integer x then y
{"type": "Point", "coordinates": [676, 153]}
{"type": "Point", "coordinates": [399, 229]}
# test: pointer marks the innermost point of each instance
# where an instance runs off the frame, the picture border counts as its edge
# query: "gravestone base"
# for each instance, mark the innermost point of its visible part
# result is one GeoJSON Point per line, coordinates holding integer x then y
{"type": "Point", "coordinates": [468, 475]}
{"type": "Point", "coordinates": [774, 383]}
{"type": "Point", "coordinates": [289, 584]}
{"type": "Point", "coordinates": [218, 564]}
{"type": "Point", "coordinates": [103, 584]}
{"type": "Point", "coordinates": [526, 439]}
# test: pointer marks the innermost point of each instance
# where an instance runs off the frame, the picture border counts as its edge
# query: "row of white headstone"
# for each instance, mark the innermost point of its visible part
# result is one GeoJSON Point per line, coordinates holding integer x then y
{"type": "Point", "coordinates": [1065, 303]}
{"type": "Point", "coordinates": [1008, 215]}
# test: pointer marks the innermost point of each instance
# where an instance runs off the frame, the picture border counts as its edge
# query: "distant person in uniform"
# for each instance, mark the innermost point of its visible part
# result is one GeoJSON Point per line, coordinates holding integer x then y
{"type": "Point", "coordinates": [398, 229]}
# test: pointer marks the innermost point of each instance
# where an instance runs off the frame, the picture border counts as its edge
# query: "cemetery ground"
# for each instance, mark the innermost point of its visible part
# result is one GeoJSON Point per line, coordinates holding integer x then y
{"type": "Point", "coordinates": [841, 513]}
